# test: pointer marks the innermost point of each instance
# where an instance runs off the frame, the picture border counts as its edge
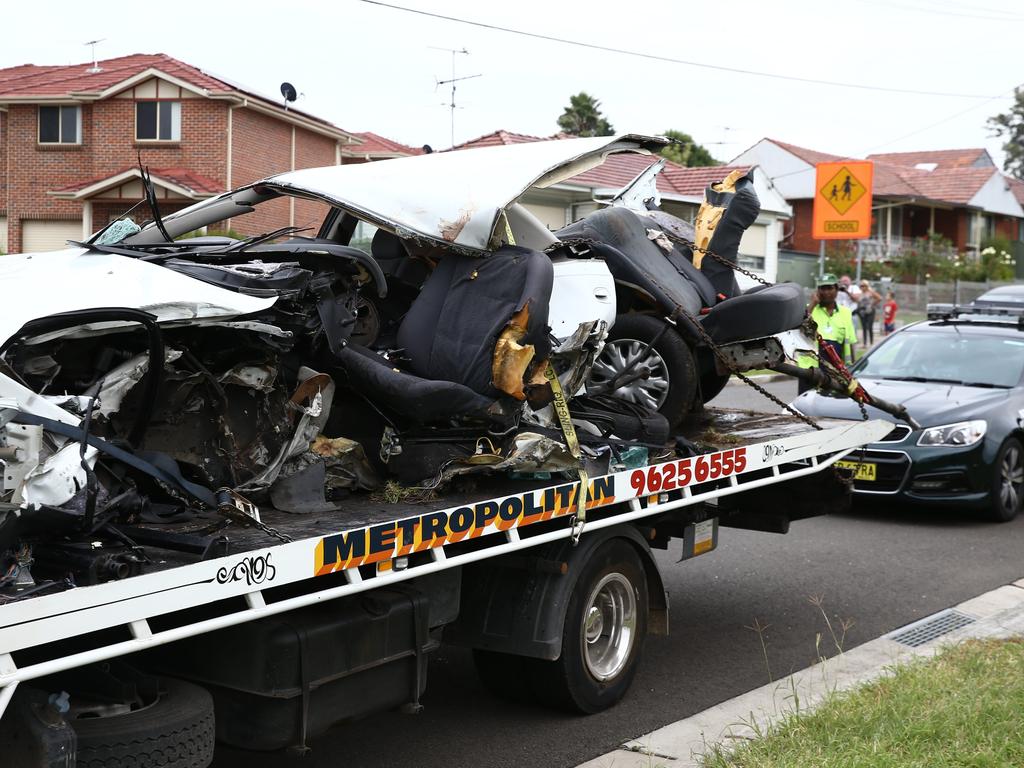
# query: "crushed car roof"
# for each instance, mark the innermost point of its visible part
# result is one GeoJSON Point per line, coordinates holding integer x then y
{"type": "Point", "coordinates": [450, 197]}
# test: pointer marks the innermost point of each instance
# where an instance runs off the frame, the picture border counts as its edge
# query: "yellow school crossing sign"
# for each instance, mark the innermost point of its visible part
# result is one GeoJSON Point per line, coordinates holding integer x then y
{"type": "Point", "coordinates": [842, 201]}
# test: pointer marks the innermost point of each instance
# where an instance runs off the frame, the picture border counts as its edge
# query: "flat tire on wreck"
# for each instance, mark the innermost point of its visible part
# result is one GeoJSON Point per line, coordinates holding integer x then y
{"type": "Point", "coordinates": [176, 731]}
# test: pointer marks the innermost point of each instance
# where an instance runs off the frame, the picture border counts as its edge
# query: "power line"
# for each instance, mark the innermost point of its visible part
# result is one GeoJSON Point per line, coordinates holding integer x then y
{"type": "Point", "coordinates": [668, 59]}
{"type": "Point", "coordinates": [904, 136]}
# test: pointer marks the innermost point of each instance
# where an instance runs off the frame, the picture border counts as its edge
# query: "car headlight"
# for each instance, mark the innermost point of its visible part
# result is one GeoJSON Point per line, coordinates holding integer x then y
{"type": "Point", "coordinates": [959, 434]}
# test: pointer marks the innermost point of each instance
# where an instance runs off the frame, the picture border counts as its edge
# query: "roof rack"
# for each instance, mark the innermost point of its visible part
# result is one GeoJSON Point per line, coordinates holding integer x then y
{"type": "Point", "coordinates": [971, 313]}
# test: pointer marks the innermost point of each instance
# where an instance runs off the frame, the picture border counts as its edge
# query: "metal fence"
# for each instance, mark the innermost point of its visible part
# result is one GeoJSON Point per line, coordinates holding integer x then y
{"type": "Point", "coordinates": [913, 300]}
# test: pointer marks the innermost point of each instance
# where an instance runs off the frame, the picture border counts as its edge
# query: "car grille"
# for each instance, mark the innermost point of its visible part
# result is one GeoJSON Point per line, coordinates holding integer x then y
{"type": "Point", "coordinates": [891, 470]}
{"type": "Point", "coordinates": [898, 433]}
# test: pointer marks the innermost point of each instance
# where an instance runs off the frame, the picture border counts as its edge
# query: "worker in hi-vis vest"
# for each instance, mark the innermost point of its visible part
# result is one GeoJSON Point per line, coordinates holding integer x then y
{"type": "Point", "coordinates": [835, 325]}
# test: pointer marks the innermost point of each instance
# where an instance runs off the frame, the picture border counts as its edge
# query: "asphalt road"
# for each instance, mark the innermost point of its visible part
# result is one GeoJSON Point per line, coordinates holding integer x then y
{"type": "Point", "coordinates": [868, 572]}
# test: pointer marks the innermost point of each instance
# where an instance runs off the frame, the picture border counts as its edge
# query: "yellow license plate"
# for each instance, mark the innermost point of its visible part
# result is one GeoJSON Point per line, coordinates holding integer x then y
{"type": "Point", "coordinates": [863, 470]}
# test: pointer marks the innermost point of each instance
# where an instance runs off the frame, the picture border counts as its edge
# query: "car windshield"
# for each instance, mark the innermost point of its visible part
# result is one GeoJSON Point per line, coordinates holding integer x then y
{"type": "Point", "coordinates": [954, 358]}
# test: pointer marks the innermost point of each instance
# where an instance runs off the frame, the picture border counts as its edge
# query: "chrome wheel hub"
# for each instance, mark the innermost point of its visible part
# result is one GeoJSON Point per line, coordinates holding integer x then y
{"type": "Point", "coordinates": [1011, 473]}
{"type": "Point", "coordinates": [625, 356]}
{"type": "Point", "coordinates": [609, 626]}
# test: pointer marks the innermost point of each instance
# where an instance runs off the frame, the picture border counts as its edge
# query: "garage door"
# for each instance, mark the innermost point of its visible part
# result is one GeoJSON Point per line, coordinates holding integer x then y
{"type": "Point", "coordinates": [553, 216]}
{"type": "Point", "coordinates": [40, 235]}
{"type": "Point", "coordinates": [3, 234]}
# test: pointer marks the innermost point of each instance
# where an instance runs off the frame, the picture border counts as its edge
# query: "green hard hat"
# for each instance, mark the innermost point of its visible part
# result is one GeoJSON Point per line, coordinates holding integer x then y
{"type": "Point", "coordinates": [828, 279]}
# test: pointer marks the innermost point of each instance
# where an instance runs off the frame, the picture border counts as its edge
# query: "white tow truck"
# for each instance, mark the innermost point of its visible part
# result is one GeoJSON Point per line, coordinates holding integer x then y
{"type": "Point", "coordinates": [250, 484]}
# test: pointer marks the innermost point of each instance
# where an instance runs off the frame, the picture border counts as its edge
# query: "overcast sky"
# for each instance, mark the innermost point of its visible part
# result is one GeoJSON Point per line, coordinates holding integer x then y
{"type": "Point", "coordinates": [368, 67]}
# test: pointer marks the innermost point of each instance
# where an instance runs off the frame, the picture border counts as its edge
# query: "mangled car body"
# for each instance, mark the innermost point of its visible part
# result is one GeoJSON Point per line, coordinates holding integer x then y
{"type": "Point", "coordinates": [145, 377]}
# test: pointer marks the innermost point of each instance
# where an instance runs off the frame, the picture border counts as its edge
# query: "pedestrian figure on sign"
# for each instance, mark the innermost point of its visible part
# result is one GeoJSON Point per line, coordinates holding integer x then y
{"type": "Point", "coordinates": [847, 187]}
{"type": "Point", "coordinates": [835, 193]}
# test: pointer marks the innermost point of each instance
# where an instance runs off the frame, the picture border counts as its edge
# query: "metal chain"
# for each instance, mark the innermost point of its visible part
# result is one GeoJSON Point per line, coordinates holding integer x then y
{"type": "Point", "coordinates": [730, 366]}
{"type": "Point", "coordinates": [246, 520]}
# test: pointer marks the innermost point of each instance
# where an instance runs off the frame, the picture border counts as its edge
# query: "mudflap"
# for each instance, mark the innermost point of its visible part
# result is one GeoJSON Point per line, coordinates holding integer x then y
{"type": "Point", "coordinates": [517, 603]}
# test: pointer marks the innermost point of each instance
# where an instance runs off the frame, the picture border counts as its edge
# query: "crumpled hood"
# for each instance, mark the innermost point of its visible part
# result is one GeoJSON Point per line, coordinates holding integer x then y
{"type": "Point", "coordinates": [41, 284]}
{"type": "Point", "coordinates": [929, 404]}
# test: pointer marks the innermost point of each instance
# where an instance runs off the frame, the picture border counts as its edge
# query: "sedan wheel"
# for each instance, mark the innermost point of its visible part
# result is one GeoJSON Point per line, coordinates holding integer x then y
{"type": "Point", "coordinates": [1008, 483]}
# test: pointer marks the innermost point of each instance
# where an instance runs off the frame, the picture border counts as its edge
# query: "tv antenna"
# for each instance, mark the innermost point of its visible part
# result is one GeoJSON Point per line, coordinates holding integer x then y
{"type": "Point", "coordinates": [95, 65]}
{"type": "Point", "coordinates": [452, 81]}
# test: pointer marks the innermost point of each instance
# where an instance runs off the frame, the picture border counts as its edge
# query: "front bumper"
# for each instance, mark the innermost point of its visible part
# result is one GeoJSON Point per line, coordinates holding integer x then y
{"type": "Point", "coordinates": [945, 476]}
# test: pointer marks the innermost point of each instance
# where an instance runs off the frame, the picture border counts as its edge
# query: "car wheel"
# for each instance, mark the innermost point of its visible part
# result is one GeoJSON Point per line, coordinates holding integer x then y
{"type": "Point", "coordinates": [671, 381]}
{"type": "Point", "coordinates": [605, 624]}
{"type": "Point", "coordinates": [1008, 482]}
{"type": "Point", "coordinates": [177, 729]}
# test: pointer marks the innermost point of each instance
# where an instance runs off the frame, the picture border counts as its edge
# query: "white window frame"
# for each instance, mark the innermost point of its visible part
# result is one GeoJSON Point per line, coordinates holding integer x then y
{"type": "Point", "coordinates": [60, 125]}
{"type": "Point", "coordinates": [175, 106]}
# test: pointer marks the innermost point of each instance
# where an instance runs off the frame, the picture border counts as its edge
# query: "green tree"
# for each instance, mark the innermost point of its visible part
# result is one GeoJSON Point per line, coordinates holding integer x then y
{"type": "Point", "coordinates": [583, 117]}
{"type": "Point", "coordinates": [1010, 125]}
{"type": "Point", "coordinates": [685, 151]}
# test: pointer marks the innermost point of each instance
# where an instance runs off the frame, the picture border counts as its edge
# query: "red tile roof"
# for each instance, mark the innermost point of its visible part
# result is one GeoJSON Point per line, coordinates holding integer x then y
{"type": "Point", "coordinates": [953, 185]}
{"type": "Point", "coordinates": [943, 158]}
{"type": "Point", "coordinates": [30, 81]}
{"type": "Point", "coordinates": [375, 145]}
{"type": "Point", "coordinates": [953, 181]}
{"type": "Point", "coordinates": [692, 182]}
{"type": "Point", "coordinates": [497, 138]}
{"type": "Point", "coordinates": [1017, 187]}
{"type": "Point", "coordinates": [194, 182]}
{"type": "Point", "coordinates": [620, 169]}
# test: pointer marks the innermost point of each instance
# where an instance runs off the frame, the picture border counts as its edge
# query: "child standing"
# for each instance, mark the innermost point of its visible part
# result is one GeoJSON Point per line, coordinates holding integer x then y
{"type": "Point", "coordinates": [889, 313]}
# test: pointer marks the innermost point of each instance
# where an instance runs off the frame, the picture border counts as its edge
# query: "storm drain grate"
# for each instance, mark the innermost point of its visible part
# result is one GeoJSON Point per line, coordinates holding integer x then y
{"type": "Point", "coordinates": [922, 632]}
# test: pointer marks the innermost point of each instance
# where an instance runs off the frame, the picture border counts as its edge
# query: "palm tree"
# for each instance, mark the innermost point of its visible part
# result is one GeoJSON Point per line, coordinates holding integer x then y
{"type": "Point", "coordinates": [583, 117]}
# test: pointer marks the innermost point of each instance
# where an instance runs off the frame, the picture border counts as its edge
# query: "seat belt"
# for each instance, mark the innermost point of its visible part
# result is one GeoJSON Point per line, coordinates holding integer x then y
{"type": "Point", "coordinates": [579, 519]}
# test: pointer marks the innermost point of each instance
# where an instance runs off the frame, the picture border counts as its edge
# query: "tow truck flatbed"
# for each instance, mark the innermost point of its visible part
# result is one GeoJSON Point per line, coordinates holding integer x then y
{"type": "Point", "coordinates": [372, 545]}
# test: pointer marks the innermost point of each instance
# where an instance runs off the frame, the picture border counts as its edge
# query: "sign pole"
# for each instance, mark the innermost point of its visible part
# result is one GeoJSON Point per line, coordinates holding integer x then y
{"type": "Point", "coordinates": [821, 259]}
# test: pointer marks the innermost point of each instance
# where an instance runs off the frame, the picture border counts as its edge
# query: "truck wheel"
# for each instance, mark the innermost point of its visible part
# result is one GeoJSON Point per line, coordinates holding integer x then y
{"type": "Point", "coordinates": [672, 379]}
{"type": "Point", "coordinates": [176, 730]}
{"type": "Point", "coordinates": [1008, 482]}
{"type": "Point", "coordinates": [504, 674]}
{"type": "Point", "coordinates": [604, 631]}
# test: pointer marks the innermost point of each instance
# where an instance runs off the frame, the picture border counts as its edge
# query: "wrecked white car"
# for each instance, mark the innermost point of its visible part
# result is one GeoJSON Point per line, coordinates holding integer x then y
{"type": "Point", "coordinates": [147, 377]}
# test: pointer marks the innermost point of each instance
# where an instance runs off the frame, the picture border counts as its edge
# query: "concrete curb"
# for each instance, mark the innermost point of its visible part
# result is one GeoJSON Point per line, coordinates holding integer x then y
{"type": "Point", "coordinates": [999, 613]}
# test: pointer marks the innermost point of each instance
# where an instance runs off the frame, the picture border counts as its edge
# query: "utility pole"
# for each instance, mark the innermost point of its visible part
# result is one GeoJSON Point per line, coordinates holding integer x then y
{"type": "Point", "coordinates": [452, 81]}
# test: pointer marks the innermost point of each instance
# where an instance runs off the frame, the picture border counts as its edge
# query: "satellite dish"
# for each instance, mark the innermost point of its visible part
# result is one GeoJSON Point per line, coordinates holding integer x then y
{"type": "Point", "coordinates": [289, 92]}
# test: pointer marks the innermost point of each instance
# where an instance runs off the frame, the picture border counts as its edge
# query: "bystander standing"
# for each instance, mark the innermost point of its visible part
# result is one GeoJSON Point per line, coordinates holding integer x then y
{"type": "Point", "coordinates": [889, 313]}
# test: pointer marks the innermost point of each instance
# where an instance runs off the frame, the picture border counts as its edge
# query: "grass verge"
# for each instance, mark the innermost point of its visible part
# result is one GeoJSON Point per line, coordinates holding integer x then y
{"type": "Point", "coordinates": [964, 707]}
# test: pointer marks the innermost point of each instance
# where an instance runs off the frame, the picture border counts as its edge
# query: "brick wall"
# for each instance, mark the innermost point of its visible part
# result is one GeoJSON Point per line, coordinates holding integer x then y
{"type": "Point", "coordinates": [801, 240]}
{"type": "Point", "coordinates": [311, 151]}
{"type": "Point", "coordinates": [262, 146]}
{"type": "Point", "coordinates": [108, 146]}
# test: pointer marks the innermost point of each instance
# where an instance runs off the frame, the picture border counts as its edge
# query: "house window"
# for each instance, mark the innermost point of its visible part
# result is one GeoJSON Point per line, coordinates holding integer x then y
{"type": "Point", "coordinates": [60, 125]}
{"type": "Point", "coordinates": [158, 121]}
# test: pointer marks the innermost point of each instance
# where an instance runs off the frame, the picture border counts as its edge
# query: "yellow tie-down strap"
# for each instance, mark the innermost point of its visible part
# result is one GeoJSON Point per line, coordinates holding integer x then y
{"type": "Point", "coordinates": [565, 421]}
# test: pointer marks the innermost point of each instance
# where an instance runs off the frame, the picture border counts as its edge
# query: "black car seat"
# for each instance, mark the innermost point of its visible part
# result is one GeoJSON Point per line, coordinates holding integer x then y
{"type": "Point", "coordinates": [622, 240]}
{"type": "Point", "coordinates": [450, 336]}
{"type": "Point", "coordinates": [761, 311]}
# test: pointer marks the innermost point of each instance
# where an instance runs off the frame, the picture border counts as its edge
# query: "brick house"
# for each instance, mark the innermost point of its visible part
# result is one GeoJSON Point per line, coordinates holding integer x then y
{"type": "Point", "coordinates": [959, 194]}
{"type": "Point", "coordinates": [70, 137]}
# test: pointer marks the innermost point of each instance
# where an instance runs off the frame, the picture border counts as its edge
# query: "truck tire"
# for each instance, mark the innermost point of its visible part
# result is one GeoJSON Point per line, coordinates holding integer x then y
{"type": "Point", "coordinates": [176, 731]}
{"type": "Point", "coordinates": [671, 387]}
{"type": "Point", "coordinates": [605, 625]}
{"type": "Point", "coordinates": [505, 675]}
